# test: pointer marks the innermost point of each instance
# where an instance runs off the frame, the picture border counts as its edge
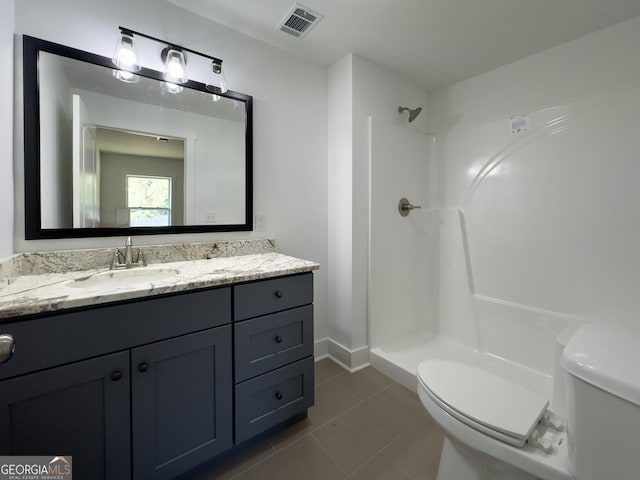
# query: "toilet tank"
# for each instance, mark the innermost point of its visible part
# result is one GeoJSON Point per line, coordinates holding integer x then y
{"type": "Point", "coordinates": [602, 373]}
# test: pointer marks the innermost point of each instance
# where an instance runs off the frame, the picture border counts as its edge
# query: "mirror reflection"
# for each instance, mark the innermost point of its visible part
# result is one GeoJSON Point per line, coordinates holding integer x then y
{"type": "Point", "coordinates": [122, 155]}
{"type": "Point", "coordinates": [139, 181]}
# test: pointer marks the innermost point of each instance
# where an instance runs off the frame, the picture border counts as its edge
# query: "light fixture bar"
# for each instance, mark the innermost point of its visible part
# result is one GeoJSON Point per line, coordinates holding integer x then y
{"type": "Point", "coordinates": [169, 44]}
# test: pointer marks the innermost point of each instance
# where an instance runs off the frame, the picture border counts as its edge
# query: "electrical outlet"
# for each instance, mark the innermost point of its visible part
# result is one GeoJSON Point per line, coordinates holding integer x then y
{"type": "Point", "coordinates": [260, 223]}
{"type": "Point", "coordinates": [210, 218]}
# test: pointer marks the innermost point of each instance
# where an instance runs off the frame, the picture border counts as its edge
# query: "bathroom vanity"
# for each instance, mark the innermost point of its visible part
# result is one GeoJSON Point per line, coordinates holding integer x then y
{"type": "Point", "coordinates": [153, 386]}
{"type": "Point", "coordinates": [144, 373]}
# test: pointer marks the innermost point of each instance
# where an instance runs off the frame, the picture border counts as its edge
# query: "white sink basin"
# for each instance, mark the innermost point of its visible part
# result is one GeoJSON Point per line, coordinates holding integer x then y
{"type": "Point", "coordinates": [124, 278]}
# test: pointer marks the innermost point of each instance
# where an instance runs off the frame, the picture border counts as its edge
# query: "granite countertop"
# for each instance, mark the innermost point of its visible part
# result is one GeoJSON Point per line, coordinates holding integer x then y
{"type": "Point", "coordinates": [46, 292]}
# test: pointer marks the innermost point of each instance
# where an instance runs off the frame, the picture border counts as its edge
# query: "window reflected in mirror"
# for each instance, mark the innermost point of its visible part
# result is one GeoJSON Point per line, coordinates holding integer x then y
{"type": "Point", "coordinates": [149, 201]}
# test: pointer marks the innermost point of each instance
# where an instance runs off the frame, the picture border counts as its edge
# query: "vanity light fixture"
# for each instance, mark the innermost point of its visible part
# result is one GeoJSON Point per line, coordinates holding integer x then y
{"type": "Point", "coordinates": [174, 58]}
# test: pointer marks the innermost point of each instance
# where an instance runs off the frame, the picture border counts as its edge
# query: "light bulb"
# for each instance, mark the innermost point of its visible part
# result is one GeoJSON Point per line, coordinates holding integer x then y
{"type": "Point", "coordinates": [125, 55]}
{"type": "Point", "coordinates": [175, 67]}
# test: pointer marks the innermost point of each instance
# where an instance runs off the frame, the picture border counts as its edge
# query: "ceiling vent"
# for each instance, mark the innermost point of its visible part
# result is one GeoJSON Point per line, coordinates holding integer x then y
{"type": "Point", "coordinates": [299, 21]}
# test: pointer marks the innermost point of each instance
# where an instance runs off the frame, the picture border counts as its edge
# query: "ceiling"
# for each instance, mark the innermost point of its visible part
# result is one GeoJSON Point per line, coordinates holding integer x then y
{"type": "Point", "coordinates": [130, 143]}
{"type": "Point", "coordinates": [431, 43]}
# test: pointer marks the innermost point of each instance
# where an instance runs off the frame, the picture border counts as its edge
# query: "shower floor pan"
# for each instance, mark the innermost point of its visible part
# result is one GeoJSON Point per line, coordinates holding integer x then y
{"type": "Point", "coordinates": [400, 362]}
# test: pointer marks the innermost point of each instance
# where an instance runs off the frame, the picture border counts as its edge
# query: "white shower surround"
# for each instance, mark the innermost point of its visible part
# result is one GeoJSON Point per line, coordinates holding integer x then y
{"type": "Point", "coordinates": [537, 232]}
{"type": "Point", "coordinates": [422, 297]}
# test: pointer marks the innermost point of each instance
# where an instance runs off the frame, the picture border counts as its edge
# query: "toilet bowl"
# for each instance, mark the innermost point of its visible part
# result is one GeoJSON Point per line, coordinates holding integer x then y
{"type": "Point", "coordinates": [486, 427]}
{"type": "Point", "coordinates": [496, 429]}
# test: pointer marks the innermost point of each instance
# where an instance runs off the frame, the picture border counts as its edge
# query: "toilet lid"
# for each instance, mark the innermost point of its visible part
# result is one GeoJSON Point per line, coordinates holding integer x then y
{"type": "Point", "coordinates": [482, 400]}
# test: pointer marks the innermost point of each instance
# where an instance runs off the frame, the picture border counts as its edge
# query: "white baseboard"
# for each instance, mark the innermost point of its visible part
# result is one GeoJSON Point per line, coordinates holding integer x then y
{"type": "Point", "coordinates": [321, 349]}
{"type": "Point", "coordinates": [350, 360]}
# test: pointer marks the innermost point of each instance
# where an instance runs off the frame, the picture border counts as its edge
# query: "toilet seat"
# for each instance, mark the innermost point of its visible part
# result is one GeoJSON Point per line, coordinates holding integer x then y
{"type": "Point", "coordinates": [486, 402]}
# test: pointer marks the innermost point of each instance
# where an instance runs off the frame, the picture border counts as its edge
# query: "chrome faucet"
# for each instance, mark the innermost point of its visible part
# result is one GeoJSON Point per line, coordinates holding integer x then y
{"type": "Point", "coordinates": [125, 260]}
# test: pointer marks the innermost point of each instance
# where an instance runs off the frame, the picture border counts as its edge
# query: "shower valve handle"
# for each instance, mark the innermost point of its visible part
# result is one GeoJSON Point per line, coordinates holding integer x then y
{"type": "Point", "coordinates": [404, 207]}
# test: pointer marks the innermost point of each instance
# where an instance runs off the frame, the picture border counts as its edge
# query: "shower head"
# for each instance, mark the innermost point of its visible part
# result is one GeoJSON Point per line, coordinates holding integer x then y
{"type": "Point", "coordinates": [413, 114]}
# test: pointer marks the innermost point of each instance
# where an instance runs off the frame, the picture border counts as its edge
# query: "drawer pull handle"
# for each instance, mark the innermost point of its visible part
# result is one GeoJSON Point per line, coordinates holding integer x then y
{"type": "Point", "coordinates": [117, 375]}
{"type": "Point", "coordinates": [143, 367]}
{"type": "Point", "coordinates": [7, 347]}
{"type": "Point", "coordinates": [278, 396]}
{"type": "Point", "coordinates": [278, 339]}
{"type": "Point", "coordinates": [278, 294]}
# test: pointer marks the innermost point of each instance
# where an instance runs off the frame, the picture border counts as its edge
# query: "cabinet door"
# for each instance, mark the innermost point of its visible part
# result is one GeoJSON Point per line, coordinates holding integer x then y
{"type": "Point", "coordinates": [79, 410]}
{"type": "Point", "coordinates": [182, 402]}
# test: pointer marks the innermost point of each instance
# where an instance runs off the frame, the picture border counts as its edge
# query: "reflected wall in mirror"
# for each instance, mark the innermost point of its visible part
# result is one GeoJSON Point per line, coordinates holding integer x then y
{"type": "Point", "coordinates": [107, 157]}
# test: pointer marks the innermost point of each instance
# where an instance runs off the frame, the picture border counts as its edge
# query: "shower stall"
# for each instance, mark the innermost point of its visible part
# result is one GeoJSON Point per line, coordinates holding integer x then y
{"type": "Point", "coordinates": [422, 297]}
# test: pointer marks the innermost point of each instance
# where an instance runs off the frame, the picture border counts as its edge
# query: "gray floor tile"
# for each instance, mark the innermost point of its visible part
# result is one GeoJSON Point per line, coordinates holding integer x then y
{"type": "Point", "coordinates": [304, 459]}
{"type": "Point", "coordinates": [379, 467]}
{"type": "Point", "coordinates": [365, 382]}
{"type": "Point", "coordinates": [417, 451]}
{"type": "Point", "coordinates": [407, 398]}
{"type": "Point", "coordinates": [326, 369]}
{"type": "Point", "coordinates": [359, 434]}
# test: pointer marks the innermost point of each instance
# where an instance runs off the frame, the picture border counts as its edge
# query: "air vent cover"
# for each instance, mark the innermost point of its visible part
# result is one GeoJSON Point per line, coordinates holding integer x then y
{"type": "Point", "coordinates": [299, 21]}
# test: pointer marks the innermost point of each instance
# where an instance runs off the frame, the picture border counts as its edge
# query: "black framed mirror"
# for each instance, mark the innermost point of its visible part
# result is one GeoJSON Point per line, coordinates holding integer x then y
{"type": "Point", "coordinates": [107, 157]}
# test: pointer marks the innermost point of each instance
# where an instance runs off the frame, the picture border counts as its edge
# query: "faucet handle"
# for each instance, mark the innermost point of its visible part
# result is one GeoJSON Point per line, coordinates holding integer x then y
{"type": "Point", "coordinates": [140, 258]}
{"type": "Point", "coordinates": [128, 242]}
{"type": "Point", "coordinates": [116, 259]}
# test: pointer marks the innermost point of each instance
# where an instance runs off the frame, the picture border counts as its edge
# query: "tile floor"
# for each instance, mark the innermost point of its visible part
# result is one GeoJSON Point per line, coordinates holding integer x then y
{"type": "Point", "coordinates": [362, 426]}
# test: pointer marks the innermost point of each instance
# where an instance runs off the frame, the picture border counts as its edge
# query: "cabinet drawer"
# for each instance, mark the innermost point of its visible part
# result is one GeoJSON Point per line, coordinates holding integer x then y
{"type": "Point", "coordinates": [67, 337]}
{"type": "Point", "coordinates": [271, 341]}
{"type": "Point", "coordinates": [272, 398]}
{"type": "Point", "coordinates": [268, 296]}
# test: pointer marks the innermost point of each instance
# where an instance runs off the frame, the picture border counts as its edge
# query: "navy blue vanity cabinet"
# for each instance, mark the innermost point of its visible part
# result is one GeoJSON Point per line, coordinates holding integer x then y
{"type": "Point", "coordinates": [80, 409]}
{"type": "Point", "coordinates": [152, 388]}
{"type": "Point", "coordinates": [273, 340]}
{"type": "Point", "coordinates": [142, 387]}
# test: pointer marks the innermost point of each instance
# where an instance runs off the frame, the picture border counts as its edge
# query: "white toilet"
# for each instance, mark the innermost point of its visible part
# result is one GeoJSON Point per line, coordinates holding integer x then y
{"type": "Point", "coordinates": [498, 430]}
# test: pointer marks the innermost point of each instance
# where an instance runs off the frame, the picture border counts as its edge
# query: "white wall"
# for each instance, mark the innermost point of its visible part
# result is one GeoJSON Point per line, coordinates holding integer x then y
{"type": "Point", "coordinates": [290, 118]}
{"type": "Point", "coordinates": [373, 92]}
{"type": "Point", "coordinates": [340, 180]}
{"type": "Point", "coordinates": [552, 216]}
{"type": "Point", "coordinates": [403, 261]}
{"type": "Point", "coordinates": [7, 16]}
